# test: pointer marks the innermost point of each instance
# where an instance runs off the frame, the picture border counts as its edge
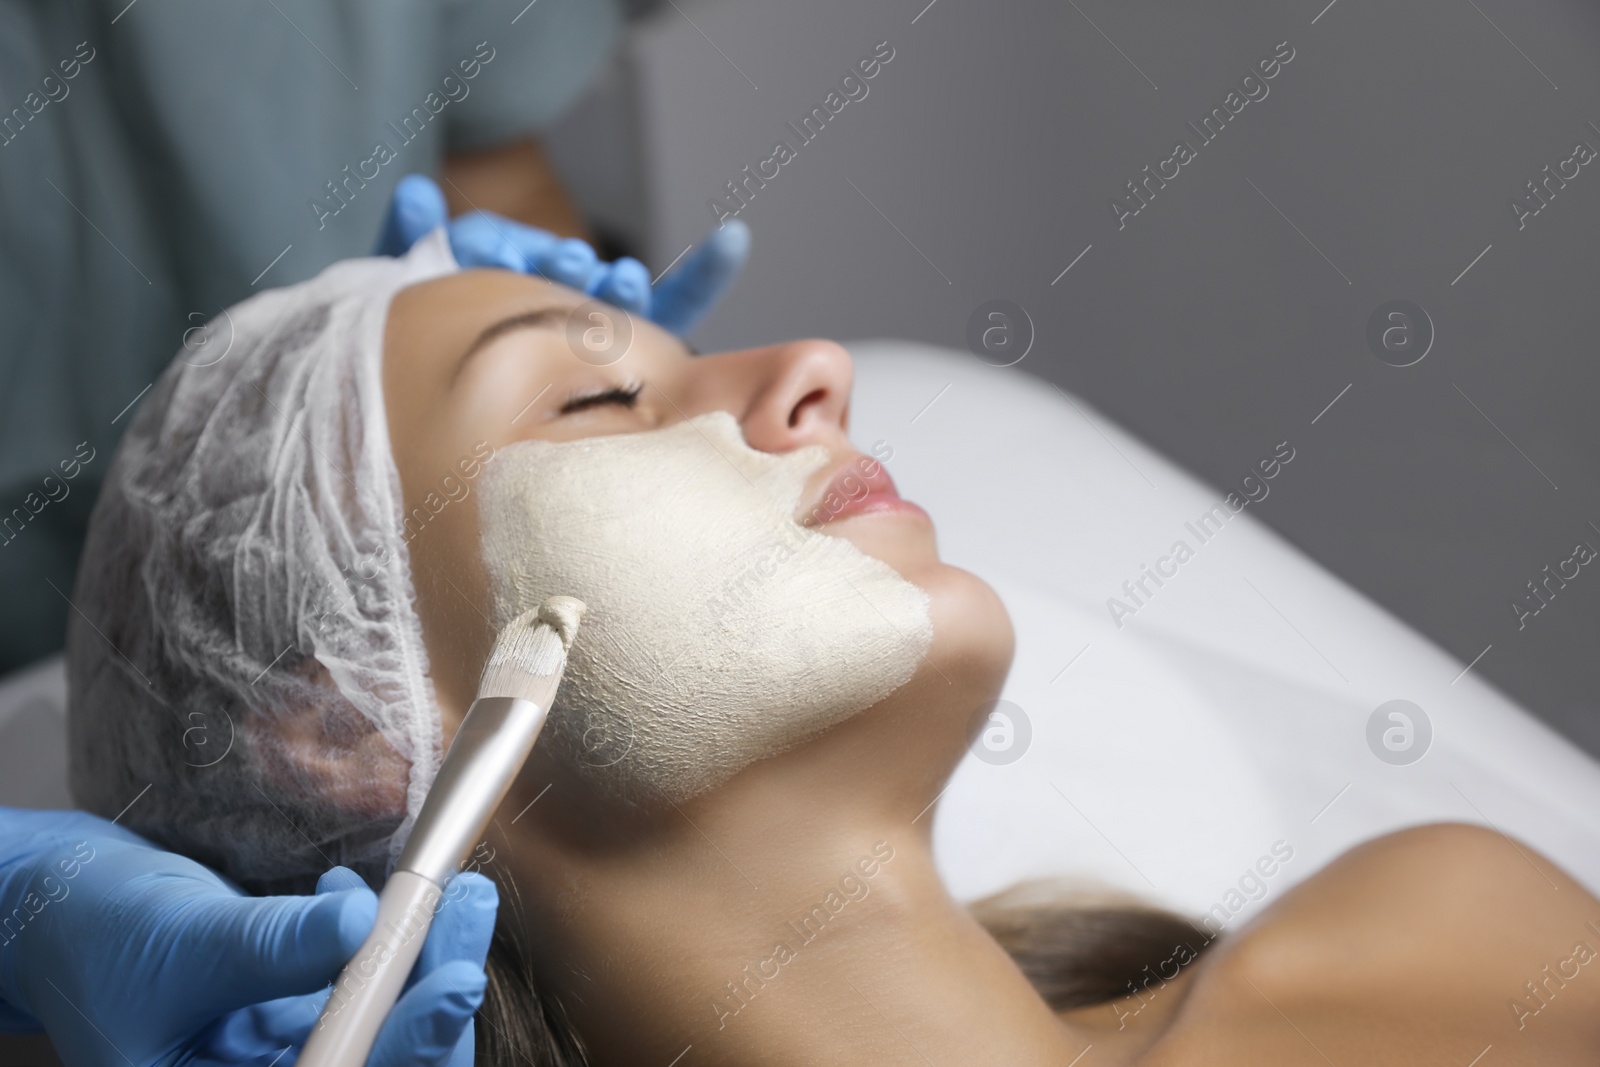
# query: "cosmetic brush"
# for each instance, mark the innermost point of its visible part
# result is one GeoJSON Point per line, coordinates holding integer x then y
{"type": "Point", "coordinates": [514, 695]}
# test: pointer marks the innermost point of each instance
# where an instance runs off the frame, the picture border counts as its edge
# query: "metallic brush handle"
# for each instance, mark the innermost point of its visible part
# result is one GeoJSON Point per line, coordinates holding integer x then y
{"type": "Point", "coordinates": [371, 982]}
{"type": "Point", "coordinates": [489, 749]}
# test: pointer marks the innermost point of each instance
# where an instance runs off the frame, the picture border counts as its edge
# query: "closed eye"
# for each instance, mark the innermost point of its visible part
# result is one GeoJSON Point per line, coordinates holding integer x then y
{"type": "Point", "coordinates": [625, 396]}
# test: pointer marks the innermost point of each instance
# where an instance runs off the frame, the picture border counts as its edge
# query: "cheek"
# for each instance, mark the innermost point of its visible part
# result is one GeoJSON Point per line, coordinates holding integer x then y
{"type": "Point", "coordinates": [453, 605]}
{"type": "Point", "coordinates": [704, 600]}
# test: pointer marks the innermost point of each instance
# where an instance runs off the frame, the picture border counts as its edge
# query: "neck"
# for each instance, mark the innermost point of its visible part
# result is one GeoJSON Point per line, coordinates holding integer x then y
{"type": "Point", "coordinates": [762, 929]}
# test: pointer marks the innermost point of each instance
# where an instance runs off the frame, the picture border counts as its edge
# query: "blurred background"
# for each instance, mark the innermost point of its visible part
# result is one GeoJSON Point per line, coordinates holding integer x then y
{"type": "Point", "coordinates": [1232, 310]}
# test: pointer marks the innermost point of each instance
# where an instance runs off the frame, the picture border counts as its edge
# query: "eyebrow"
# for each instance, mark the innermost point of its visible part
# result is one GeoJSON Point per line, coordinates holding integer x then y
{"type": "Point", "coordinates": [522, 320]}
{"type": "Point", "coordinates": [538, 318]}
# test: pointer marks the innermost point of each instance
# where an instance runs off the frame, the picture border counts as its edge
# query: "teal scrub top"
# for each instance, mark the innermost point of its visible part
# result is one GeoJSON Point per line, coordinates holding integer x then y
{"type": "Point", "coordinates": [162, 159]}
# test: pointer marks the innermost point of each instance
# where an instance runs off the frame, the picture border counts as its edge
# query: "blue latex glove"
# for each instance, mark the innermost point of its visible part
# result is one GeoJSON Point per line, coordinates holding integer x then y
{"type": "Point", "coordinates": [483, 239]}
{"type": "Point", "coordinates": [126, 954]}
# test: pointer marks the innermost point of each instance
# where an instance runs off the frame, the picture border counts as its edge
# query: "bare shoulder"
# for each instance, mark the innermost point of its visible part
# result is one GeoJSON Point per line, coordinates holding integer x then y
{"type": "Point", "coordinates": [1440, 940]}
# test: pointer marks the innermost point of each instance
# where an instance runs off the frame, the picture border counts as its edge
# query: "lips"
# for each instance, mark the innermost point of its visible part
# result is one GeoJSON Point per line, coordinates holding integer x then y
{"type": "Point", "coordinates": [861, 486]}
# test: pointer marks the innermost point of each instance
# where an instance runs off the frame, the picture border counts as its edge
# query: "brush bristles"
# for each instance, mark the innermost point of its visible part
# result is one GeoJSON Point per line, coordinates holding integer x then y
{"type": "Point", "coordinates": [531, 652]}
{"type": "Point", "coordinates": [562, 613]}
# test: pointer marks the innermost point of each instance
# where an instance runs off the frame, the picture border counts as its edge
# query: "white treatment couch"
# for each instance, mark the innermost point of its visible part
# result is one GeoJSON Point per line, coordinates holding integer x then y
{"type": "Point", "coordinates": [1230, 712]}
{"type": "Point", "coordinates": [1228, 715]}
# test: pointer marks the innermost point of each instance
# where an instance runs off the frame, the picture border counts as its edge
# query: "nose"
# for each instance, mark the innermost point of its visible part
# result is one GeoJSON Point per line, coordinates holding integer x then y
{"type": "Point", "coordinates": [792, 395]}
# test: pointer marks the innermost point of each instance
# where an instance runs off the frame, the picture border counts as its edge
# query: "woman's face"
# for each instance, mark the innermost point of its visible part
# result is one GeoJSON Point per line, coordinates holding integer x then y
{"type": "Point", "coordinates": [480, 360]}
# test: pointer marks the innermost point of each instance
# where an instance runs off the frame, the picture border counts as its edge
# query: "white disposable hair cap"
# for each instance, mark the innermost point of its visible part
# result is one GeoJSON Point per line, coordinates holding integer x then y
{"type": "Point", "coordinates": [245, 642]}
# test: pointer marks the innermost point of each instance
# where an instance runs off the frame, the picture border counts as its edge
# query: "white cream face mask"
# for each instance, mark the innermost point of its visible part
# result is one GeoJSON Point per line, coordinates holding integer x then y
{"type": "Point", "coordinates": [719, 630]}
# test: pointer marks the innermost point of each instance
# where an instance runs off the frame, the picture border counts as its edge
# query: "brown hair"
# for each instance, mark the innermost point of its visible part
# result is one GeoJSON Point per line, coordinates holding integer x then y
{"type": "Point", "coordinates": [1076, 948]}
{"type": "Point", "coordinates": [1083, 947]}
{"type": "Point", "coordinates": [517, 1023]}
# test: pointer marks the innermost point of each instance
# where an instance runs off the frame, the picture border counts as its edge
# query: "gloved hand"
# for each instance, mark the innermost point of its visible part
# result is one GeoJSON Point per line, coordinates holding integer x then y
{"type": "Point", "coordinates": [484, 239]}
{"type": "Point", "coordinates": [126, 954]}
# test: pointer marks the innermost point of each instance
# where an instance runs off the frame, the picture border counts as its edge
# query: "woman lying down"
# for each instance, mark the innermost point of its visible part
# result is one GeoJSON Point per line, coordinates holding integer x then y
{"type": "Point", "coordinates": [714, 855]}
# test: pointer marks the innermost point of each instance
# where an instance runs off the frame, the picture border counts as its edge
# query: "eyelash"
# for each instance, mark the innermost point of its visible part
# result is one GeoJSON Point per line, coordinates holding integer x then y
{"type": "Point", "coordinates": [625, 395]}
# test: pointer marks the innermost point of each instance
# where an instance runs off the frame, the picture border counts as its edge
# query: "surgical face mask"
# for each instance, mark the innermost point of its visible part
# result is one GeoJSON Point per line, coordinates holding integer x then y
{"type": "Point", "coordinates": [719, 630]}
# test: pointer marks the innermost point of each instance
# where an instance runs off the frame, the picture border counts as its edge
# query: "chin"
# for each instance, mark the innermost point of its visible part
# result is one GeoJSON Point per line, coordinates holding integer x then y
{"type": "Point", "coordinates": [904, 540]}
{"type": "Point", "coordinates": [972, 632]}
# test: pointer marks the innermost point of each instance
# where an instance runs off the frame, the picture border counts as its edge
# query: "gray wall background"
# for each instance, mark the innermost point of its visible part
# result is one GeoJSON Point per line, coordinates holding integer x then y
{"type": "Point", "coordinates": [1233, 309]}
